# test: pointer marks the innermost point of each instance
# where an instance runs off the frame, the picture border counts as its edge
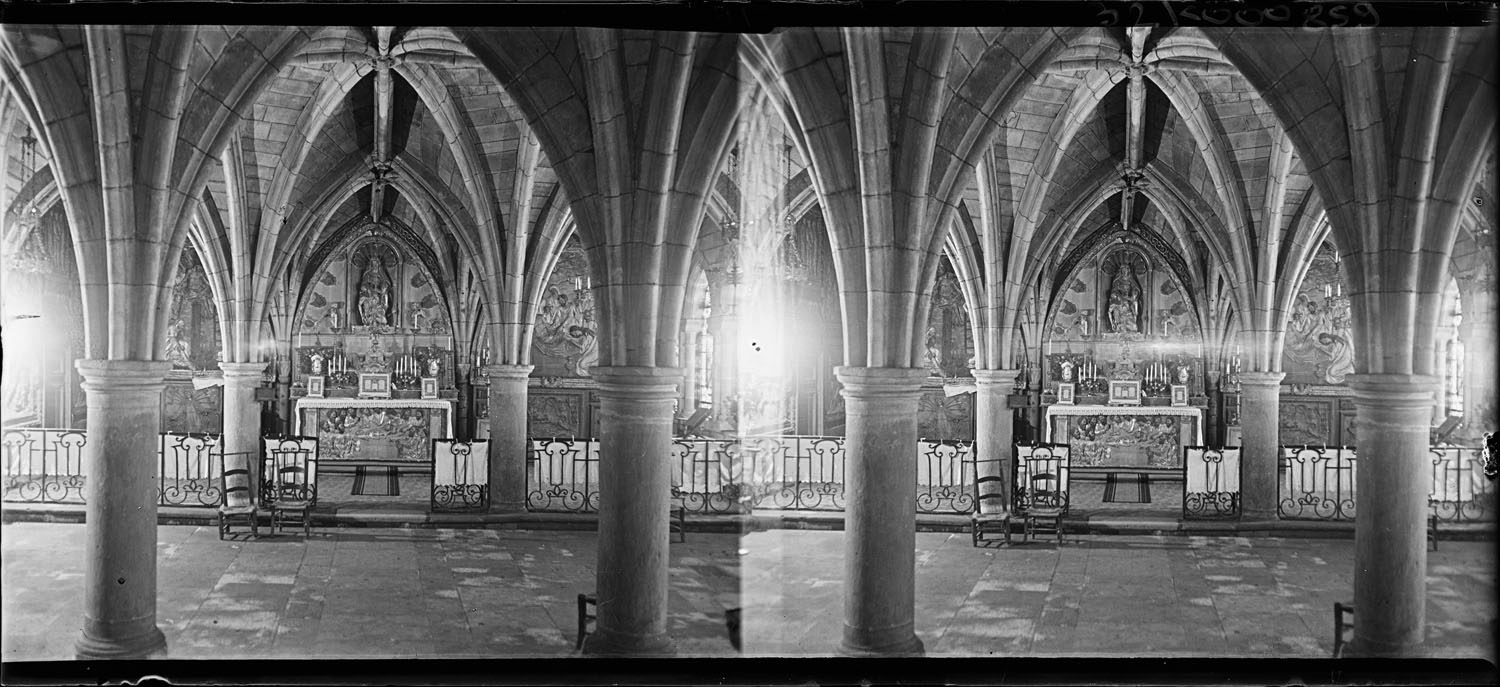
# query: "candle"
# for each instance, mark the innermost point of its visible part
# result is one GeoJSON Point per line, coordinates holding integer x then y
{"type": "Point", "coordinates": [1327, 291]}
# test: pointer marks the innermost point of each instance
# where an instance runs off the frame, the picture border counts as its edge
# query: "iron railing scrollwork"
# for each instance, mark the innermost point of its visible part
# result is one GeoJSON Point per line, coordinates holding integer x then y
{"type": "Point", "coordinates": [191, 464]}
{"type": "Point", "coordinates": [715, 476]}
{"type": "Point", "coordinates": [1461, 491]}
{"type": "Point", "coordinates": [945, 476]}
{"type": "Point", "coordinates": [563, 475]}
{"type": "Point", "coordinates": [44, 465]}
{"type": "Point", "coordinates": [1211, 482]}
{"type": "Point", "coordinates": [1316, 483]}
{"type": "Point", "coordinates": [460, 475]}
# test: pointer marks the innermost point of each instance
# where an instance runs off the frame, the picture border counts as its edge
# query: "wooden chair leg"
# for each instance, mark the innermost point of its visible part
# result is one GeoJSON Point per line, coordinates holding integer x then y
{"type": "Point", "coordinates": [584, 600]}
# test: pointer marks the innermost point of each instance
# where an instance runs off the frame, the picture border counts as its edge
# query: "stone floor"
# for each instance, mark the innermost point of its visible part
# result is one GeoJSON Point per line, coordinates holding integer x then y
{"type": "Point", "coordinates": [415, 593]}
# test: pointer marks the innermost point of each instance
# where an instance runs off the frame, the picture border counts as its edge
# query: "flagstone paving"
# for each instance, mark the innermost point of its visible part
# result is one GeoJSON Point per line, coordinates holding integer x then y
{"type": "Point", "coordinates": [413, 593]}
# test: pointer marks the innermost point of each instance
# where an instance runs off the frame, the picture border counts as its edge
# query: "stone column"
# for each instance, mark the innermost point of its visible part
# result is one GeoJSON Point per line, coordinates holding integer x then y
{"type": "Point", "coordinates": [635, 438]}
{"type": "Point", "coordinates": [242, 414]}
{"type": "Point", "coordinates": [509, 442]}
{"type": "Point", "coordinates": [1260, 413]}
{"type": "Point", "coordinates": [1390, 534]}
{"type": "Point", "coordinates": [994, 430]}
{"type": "Point", "coordinates": [119, 582]}
{"type": "Point", "coordinates": [880, 523]}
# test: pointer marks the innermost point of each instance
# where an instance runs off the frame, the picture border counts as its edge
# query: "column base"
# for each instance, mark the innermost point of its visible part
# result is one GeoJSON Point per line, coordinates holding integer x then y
{"type": "Point", "coordinates": [1364, 648]}
{"type": "Point", "coordinates": [906, 645]}
{"type": "Point", "coordinates": [151, 644]}
{"type": "Point", "coordinates": [606, 643]}
{"type": "Point", "coordinates": [506, 507]}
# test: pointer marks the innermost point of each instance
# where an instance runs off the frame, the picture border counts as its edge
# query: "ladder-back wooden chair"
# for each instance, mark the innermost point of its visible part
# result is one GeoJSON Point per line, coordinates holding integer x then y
{"type": "Point", "coordinates": [239, 499]}
{"type": "Point", "coordinates": [991, 511]}
{"type": "Point", "coordinates": [291, 482]}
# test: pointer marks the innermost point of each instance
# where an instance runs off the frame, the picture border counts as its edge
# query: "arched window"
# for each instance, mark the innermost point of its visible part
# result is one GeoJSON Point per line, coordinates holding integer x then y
{"type": "Point", "coordinates": [1453, 363]}
{"type": "Point", "coordinates": [703, 350]}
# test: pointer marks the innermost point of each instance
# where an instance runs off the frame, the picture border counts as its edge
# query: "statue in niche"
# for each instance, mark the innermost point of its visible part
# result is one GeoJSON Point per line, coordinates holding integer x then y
{"type": "Point", "coordinates": [1125, 301]}
{"type": "Point", "coordinates": [374, 295]}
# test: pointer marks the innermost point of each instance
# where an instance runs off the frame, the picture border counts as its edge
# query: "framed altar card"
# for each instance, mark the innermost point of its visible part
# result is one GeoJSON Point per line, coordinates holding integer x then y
{"type": "Point", "coordinates": [375, 385]}
{"type": "Point", "coordinates": [1124, 393]}
{"type": "Point", "coordinates": [429, 387]}
{"type": "Point", "coordinates": [315, 386]}
{"type": "Point", "coordinates": [1065, 394]}
{"type": "Point", "coordinates": [1179, 394]}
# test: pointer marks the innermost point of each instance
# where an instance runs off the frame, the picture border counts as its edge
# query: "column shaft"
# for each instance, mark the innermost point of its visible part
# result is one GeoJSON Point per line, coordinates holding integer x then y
{"type": "Point", "coordinates": [635, 438]}
{"type": "Point", "coordinates": [1260, 411]}
{"type": "Point", "coordinates": [508, 440]}
{"type": "Point", "coordinates": [119, 583]}
{"type": "Point", "coordinates": [880, 525]}
{"type": "Point", "coordinates": [1390, 533]}
{"type": "Point", "coordinates": [242, 413]}
{"type": "Point", "coordinates": [994, 435]}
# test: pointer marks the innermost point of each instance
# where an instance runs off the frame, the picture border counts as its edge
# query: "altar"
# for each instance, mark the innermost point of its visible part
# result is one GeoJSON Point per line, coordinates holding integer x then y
{"type": "Point", "coordinates": [381, 431]}
{"type": "Point", "coordinates": [1143, 437]}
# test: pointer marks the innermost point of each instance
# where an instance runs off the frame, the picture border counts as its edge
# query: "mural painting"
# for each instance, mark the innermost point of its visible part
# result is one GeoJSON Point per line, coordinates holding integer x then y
{"type": "Point", "coordinates": [193, 338]}
{"type": "Point", "coordinates": [564, 341]}
{"type": "Point", "coordinates": [1319, 333]}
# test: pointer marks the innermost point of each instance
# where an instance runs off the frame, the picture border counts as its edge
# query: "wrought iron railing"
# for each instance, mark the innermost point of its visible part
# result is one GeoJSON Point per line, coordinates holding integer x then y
{"type": "Point", "coordinates": [706, 477]}
{"type": "Point", "coordinates": [47, 466]}
{"type": "Point", "coordinates": [945, 476]}
{"type": "Point", "coordinates": [190, 468]}
{"type": "Point", "coordinates": [1211, 482]}
{"type": "Point", "coordinates": [1316, 483]}
{"type": "Point", "coordinates": [736, 476]}
{"type": "Point", "coordinates": [794, 472]}
{"type": "Point", "coordinates": [460, 475]}
{"type": "Point", "coordinates": [1460, 490]}
{"type": "Point", "coordinates": [563, 475]}
{"type": "Point", "coordinates": [44, 465]}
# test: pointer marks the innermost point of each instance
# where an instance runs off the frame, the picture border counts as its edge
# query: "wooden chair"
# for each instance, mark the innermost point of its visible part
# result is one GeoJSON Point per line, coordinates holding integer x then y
{"type": "Point", "coordinates": [588, 605]}
{"type": "Point", "coordinates": [239, 500]}
{"type": "Point", "coordinates": [677, 519]}
{"type": "Point", "coordinates": [291, 486]}
{"type": "Point", "coordinates": [732, 624]}
{"type": "Point", "coordinates": [1340, 625]}
{"type": "Point", "coordinates": [991, 512]}
{"type": "Point", "coordinates": [1043, 472]}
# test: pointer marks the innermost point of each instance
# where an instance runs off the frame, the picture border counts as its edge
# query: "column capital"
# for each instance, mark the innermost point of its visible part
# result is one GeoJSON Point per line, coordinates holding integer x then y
{"type": "Point", "coordinates": [875, 382]}
{"type": "Point", "coordinates": [102, 376]}
{"type": "Point", "coordinates": [1258, 378]}
{"type": "Point", "coordinates": [637, 381]}
{"type": "Point", "coordinates": [508, 372]}
{"type": "Point", "coordinates": [243, 372]}
{"type": "Point", "coordinates": [1002, 379]}
{"type": "Point", "coordinates": [1394, 391]}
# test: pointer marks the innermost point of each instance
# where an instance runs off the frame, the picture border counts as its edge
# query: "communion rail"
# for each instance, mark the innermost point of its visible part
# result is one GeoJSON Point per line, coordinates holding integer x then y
{"type": "Point", "coordinates": [47, 466]}
{"type": "Point", "coordinates": [1318, 483]}
{"type": "Point", "coordinates": [736, 476]}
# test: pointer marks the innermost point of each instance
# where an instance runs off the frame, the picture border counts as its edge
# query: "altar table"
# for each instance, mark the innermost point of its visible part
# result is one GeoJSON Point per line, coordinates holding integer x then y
{"type": "Point", "coordinates": [375, 431]}
{"type": "Point", "coordinates": [1138, 437]}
